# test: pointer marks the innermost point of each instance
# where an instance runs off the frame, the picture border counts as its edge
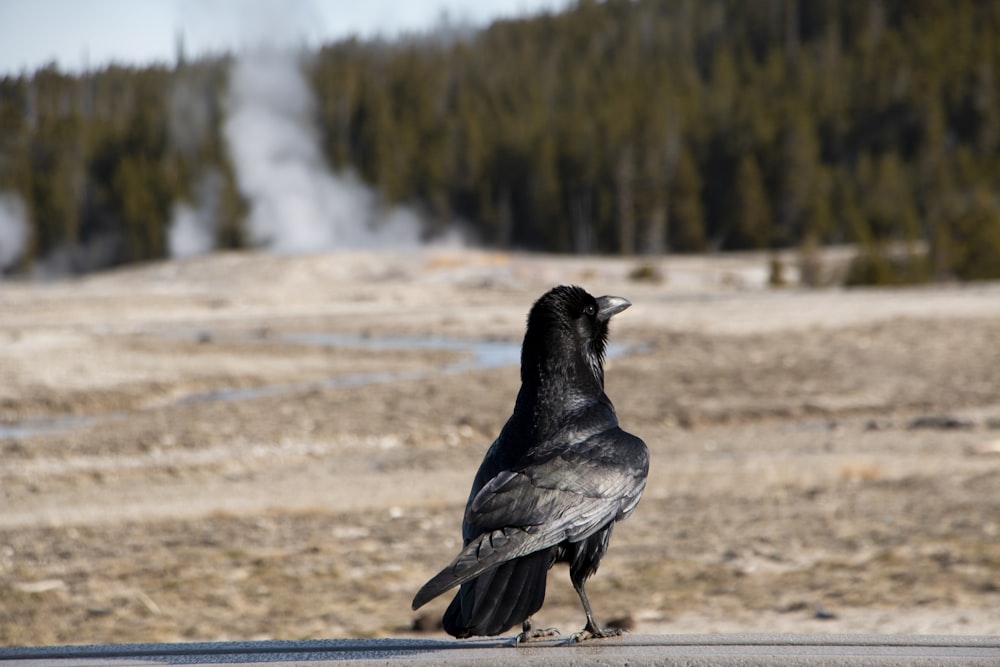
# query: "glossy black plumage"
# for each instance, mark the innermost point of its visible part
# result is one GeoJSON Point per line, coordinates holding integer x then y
{"type": "Point", "coordinates": [555, 481]}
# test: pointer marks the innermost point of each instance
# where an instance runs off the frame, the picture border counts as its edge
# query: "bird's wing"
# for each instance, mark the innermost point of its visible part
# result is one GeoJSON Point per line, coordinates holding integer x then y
{"type": "Point", "coordinates": [566, 497]}
{"type": "Point", "coordinates": [486, 551]}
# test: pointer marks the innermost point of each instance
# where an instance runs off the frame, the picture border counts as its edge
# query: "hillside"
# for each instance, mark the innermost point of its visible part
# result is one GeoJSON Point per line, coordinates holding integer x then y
{"type": "Point", "coordinates": [614, 127]}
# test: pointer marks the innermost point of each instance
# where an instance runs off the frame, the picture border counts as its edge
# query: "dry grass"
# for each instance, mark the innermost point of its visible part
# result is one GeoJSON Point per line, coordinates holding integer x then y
{"type": "Point", "coordinates": [786, 491]}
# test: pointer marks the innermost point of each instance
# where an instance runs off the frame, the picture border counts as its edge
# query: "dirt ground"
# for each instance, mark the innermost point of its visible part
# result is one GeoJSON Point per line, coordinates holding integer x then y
{"type": "Point", "coordinates": [179, 460]}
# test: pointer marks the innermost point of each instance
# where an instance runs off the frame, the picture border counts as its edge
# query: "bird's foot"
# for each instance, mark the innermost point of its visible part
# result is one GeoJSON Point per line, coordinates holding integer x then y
{"type": "Point", "coordinates": [530, 633]}
{"type": "Point", "coordinates": [597, 633]}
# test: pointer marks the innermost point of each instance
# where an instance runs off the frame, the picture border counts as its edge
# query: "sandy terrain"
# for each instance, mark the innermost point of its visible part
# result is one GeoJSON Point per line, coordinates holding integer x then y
{"type": "Point", "coordinates": [248, 446]}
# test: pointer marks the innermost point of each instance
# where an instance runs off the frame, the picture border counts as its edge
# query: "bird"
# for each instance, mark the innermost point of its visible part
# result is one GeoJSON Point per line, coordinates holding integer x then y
{"type": "Point", "coordinates": [552, 485]}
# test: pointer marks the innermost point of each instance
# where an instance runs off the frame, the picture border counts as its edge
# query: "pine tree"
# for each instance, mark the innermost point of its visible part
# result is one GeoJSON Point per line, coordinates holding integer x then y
{"type": "Point", "coordinates": [687, 214]}
{"type": "Point", "coordinates": [750, 218]}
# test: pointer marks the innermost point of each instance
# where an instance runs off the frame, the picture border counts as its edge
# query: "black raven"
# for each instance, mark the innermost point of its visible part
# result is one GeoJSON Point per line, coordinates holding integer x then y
{"type": "Point", "coordinates": [553, 484]}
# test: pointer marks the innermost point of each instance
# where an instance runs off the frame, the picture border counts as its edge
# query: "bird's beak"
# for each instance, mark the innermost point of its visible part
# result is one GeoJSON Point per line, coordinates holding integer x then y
{"type": "Point", "coordinates": [611, 305]}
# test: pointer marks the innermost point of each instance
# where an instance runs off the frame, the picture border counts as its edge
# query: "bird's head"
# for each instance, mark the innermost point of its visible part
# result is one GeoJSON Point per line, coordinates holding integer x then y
{"type": "Point", "coordinates": [567, 335]}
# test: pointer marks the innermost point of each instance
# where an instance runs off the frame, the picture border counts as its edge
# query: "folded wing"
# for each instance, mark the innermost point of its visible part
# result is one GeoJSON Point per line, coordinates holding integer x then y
{"type": "Point", "coordinates": [568, 496]}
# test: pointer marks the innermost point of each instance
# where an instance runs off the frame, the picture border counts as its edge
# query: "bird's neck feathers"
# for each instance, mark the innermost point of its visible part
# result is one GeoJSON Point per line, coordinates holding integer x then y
{"type": "Point", "coordinates": [563, 361]}
{"type": "Point", "coordinates": [562, 358]}
{"type": "Point", "coordinates": [560, 381]}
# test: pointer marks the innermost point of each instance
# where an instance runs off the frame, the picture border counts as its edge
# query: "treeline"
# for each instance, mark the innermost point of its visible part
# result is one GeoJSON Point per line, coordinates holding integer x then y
{"type": "Point", "coordinates": [618, 127]}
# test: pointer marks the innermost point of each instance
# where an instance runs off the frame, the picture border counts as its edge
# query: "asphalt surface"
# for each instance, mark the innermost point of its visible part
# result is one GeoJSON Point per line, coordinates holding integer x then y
{"type": "Point", "coordinates": [694, 650]}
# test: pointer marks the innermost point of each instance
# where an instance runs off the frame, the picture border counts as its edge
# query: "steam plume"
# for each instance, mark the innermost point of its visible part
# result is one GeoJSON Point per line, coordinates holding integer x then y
{"type": "Point", "coordinates": [14, 230]}
{"type": "Point", "coordinates": [192, 228]}
{"type": "Point", "coordinates": [297, 204]}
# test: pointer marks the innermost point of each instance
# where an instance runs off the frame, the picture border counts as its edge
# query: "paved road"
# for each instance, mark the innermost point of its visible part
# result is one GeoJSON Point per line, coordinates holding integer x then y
{"type": "Point", "coordinates": [691, 650]}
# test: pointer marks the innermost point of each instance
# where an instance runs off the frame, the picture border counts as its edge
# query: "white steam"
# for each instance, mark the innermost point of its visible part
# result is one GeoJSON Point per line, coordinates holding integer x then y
{"type": "Point", "coordinates": [193, 224]}
{"type": "Point", "coordinates": [295, 201]}
{"type": "Point", "coordinates": [189, 234]}
{"type": "Point", "coordinates": [14, 230]}
{"type": "Point", "coordinates": [297, 204]}
{"type": "Point", "coordinates": [193, 227]}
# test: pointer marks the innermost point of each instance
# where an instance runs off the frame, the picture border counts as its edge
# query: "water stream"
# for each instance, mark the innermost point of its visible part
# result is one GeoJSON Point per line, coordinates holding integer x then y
{"type": "Point", "coordinates": [475, 355]}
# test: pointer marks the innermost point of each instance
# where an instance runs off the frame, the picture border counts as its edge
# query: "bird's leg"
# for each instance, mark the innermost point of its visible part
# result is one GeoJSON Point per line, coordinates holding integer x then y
{"type": "Point", "coordinates": [591, 631]}
{"type": "Point", "coordinates": [530, 633]}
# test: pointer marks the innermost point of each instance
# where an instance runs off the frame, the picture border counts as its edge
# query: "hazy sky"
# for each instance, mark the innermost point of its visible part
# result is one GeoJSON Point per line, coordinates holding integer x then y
{"type": "Point", "coordinates": [91, 33]}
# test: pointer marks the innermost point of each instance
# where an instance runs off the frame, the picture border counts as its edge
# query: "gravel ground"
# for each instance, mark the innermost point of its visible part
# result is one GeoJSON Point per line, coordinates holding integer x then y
{"type": "Point", "coordinates": [247, 446]}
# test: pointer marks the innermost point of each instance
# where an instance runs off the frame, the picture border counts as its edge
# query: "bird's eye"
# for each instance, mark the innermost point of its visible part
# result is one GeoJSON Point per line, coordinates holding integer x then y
{"type": "Point", "coordinates": [590, 310]}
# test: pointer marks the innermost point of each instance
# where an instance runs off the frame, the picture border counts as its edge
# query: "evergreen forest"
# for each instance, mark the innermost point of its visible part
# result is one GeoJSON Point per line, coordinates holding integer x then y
{"type": "Point", "coordinates": [619, 127]}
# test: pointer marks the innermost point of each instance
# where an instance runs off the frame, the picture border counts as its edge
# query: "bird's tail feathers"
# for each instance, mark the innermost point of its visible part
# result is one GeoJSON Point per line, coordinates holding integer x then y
{"type": "Point", "coordinates": [500, 598]}
{"type": "Point", "coordinates": [485, 552]}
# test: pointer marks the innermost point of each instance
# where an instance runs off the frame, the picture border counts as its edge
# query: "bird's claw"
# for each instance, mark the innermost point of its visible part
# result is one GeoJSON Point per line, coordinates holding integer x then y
{"type": "Point", "coordinates": [596, 633]}
{"type": "Point", "coordinates": [530, 634]}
